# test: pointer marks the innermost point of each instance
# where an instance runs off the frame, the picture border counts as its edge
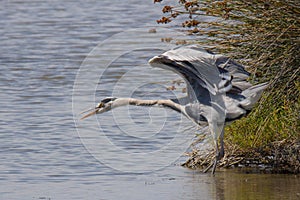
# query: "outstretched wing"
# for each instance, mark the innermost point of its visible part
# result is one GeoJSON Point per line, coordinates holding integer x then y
{"type": "Point", "coordinates": [198, 68]}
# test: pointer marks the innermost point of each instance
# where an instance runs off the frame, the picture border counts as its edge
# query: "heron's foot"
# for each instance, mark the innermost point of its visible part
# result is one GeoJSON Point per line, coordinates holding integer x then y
{"type": "Point", "coordinates": [208, 168]}
{"type": "Point", "coordinates": [213, 165]}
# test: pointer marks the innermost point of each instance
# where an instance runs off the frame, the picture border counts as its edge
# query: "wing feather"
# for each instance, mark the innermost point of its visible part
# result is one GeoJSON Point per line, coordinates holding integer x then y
{"type": "Point", "coordinates": [198, 67]}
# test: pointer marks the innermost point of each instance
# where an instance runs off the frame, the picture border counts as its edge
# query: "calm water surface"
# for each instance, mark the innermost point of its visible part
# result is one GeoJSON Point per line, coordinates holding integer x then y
{"type": "Point", "coordinates": [60, 57]}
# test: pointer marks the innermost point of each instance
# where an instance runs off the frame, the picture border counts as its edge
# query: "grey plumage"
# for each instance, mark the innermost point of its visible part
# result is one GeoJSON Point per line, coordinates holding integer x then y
{"type": "Point", "coordinates": [207, 74]}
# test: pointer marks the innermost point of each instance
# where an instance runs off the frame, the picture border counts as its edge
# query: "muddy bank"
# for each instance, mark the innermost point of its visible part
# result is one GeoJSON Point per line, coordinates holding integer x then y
{"type": "Point", "coordinates": [277, 157]}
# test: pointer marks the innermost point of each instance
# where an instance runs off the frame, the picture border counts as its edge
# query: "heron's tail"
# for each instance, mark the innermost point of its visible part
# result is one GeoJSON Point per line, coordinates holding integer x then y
{"type": "Point", "coordinates": [252, 95]}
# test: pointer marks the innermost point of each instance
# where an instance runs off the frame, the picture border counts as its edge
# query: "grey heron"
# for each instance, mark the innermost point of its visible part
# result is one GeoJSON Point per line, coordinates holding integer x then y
{"type": "Point", "coordinates": [218, 91]}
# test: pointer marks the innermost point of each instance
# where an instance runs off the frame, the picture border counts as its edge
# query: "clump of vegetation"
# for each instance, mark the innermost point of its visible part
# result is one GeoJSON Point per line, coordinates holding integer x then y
{"type": "Point", "coordinates": [263, 34]}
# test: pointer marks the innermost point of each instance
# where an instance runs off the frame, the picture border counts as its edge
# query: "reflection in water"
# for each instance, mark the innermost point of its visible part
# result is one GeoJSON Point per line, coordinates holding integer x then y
{"type": "Point", "coordinates": [234, 184]}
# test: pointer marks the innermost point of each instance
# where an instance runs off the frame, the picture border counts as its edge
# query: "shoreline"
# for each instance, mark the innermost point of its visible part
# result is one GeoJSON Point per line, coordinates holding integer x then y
{"type": "Point", "coordinates": [275, 158]}
{"type": "Point", "coordinates": [268, 42]}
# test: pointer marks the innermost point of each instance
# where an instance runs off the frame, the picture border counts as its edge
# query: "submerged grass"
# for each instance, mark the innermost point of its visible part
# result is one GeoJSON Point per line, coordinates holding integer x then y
{"type": "Point", "coordinates": [263, 35]}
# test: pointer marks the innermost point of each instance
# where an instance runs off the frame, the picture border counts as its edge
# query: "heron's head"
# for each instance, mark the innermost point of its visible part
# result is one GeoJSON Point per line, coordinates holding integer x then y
{"type": "Point", "coordinates": [104, 106]}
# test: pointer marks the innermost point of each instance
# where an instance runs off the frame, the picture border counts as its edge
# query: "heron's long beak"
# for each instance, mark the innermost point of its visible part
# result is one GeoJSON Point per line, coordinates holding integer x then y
{"type": "Point", "coordinates": [93, 112]}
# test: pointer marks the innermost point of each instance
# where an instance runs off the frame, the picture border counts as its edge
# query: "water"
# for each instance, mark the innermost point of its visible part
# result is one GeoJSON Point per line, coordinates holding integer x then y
{"type": "Point", "coordinates": [60, 57]}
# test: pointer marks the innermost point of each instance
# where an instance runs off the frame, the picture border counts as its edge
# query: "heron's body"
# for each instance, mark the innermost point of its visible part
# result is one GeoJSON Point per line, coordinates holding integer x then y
{"type": "Point", "coordinates": [217, 90]}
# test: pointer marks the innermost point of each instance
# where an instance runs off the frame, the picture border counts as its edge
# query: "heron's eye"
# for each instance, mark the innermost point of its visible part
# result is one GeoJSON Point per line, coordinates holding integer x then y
{"type": "Point", "coordinates": [100, 105]}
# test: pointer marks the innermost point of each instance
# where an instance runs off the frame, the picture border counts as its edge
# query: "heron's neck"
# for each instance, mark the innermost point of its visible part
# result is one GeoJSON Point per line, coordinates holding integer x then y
{"type": "Point", "coordinates": [140, 102]}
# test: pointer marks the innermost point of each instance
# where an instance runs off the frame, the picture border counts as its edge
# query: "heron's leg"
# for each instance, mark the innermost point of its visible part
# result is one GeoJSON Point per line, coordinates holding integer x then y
{"type": "Point", "coordinates": [216, 160]}
{"type": "Point", "coordinates": [222, 152]}
{"type": "Point", "coordinates": [213, 165]}
{"type": "Point", "coordinates": [219, 154]}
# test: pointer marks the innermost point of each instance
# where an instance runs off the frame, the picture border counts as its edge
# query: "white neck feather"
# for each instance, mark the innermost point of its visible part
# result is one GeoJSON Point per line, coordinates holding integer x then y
{"type": "Point", "coordinates": [140, 102]}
